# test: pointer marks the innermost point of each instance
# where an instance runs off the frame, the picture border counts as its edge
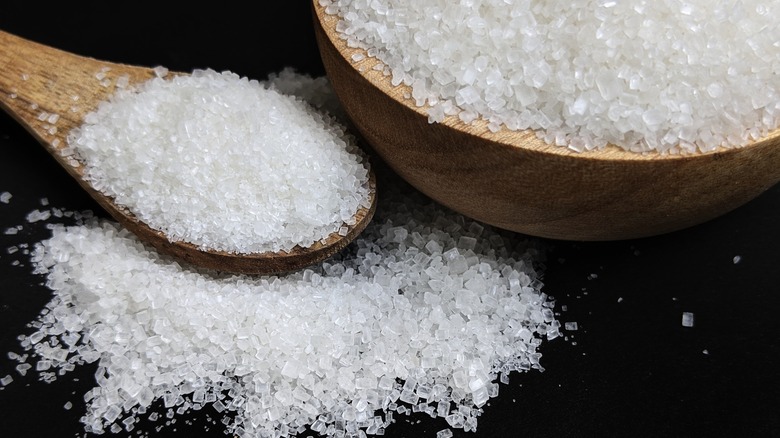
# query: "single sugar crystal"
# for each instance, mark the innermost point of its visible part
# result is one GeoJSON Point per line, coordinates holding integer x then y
{"type": "Point", "coordinates": [444, 433]}
{"type": "Point", "coordinates": [687, 319]}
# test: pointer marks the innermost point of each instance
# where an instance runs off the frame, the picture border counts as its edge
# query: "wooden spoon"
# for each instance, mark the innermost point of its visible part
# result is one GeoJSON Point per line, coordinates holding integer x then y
{"type": "Point", "coordinates": [49, 92]}
{"type": "Point", "coordinates": [515, 181]}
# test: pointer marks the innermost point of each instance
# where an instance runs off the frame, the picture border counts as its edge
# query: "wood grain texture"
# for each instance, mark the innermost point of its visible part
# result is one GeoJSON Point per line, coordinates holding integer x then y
{"type": "Point", "coordinates": [515, 181]}
{"type": "Point", "coordinates": [37, 81]}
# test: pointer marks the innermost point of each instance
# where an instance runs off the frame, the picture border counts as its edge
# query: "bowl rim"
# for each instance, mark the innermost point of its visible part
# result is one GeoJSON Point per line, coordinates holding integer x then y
{"type": "Point", "coordinates": [479, 128]}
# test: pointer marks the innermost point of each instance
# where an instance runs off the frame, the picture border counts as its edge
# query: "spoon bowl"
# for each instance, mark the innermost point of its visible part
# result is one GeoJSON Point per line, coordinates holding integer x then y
{"type": "Point", "coordinates": [515, 181]}
{"type": "Point", "coordinates": [50, 91]}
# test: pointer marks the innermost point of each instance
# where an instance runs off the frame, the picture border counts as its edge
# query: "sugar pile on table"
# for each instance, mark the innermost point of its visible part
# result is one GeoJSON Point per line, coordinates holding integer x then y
{"type": "Point", "coordinates": [224, 162]}
{"type": "Point", "coordinates": [424, 312]}
{"type": "Point", "coordinates": [673, 76]}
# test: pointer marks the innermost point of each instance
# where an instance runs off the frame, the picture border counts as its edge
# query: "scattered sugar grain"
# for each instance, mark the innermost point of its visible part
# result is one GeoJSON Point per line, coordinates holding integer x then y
{"type": "Point", "coordinates": [444, 433]}
{"type": "Point", "coordinates": [38, 215]}
{"type": "Point", "coordinates": [224, 162]}
{"type": "Point", "coordinates": [642, 76]}
{"type": "Point", "coordinates": [687, 319]}
{"type": "Point", "coordinates": [736, 259]}
{"type": "Point", "coordinates": [5, 197]}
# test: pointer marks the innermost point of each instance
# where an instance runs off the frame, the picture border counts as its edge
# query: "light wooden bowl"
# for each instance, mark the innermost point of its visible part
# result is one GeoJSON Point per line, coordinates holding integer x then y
{"type": "Point", "coordinates": [514, 181]}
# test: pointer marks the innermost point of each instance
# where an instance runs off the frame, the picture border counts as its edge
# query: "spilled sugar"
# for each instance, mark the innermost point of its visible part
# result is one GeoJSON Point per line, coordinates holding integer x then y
{"type": "Point", "coordinates": [678, 76]}
{"type": "Point", "coordinates": [406, 320]}
{"type": "Point", "coordinates": [224, 162]}
{"type": "Point", "coordinates": [427, 311]}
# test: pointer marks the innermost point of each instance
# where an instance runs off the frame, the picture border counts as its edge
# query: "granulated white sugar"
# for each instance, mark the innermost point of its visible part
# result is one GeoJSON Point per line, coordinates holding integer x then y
{"type": "Point", "coordinates": [317, 91]}
{"type": "Point", "coordinates": [426, 312]}
{"type": "Point", "coordinates": [421, 313]}
{"type": "Point", "coordinates": [224, 162]}
{"type": "Point", "coordinates": [444, 433]}
{"type": "Point", "coordinates": [676, 76]}
{"type": "Point", "coordinates": [5, 197]}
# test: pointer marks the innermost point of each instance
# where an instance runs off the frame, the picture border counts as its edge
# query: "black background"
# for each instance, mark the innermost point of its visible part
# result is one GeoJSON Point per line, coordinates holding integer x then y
{"type": "Point", "coordinates": [631, 369]}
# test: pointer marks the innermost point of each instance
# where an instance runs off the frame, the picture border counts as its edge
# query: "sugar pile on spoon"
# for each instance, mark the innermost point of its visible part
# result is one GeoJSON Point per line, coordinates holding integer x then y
{"type": "Point", "coordinates": [224, 162]}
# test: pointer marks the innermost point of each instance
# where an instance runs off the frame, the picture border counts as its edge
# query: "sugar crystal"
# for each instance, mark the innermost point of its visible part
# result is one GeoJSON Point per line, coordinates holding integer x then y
{"type": "Point", "coordinates": [687, 319]}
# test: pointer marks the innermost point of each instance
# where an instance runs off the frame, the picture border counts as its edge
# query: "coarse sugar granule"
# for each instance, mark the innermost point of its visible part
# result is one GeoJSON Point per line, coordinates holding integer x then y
{"type": "Point", "coordinates": [677, 76]}
{"type": "Point", "coordinates": [224, 162]}
{"type": "Point", "coordinates": [687, 319]}
{"type": "Point", "coordinates": [444, 433]}
{"type": "Point", "coordinates": [422, 313]}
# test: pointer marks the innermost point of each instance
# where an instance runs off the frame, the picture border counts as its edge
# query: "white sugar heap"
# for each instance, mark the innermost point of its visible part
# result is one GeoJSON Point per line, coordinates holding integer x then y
{"type": "Point", "coordinates": [426, 312]}
{"type": "Point", "coordinates": [224, 162]}
{"type": "Point", "coordinates": [675, 76]}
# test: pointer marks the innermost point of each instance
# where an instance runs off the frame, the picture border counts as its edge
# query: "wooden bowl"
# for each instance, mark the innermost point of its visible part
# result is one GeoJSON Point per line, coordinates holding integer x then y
{"type": "Point", "coordinates": [513, 180]}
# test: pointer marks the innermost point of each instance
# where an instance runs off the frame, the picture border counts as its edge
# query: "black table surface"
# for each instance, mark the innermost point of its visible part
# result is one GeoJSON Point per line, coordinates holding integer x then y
{"type": "Point", "coordinates": [631, 369]}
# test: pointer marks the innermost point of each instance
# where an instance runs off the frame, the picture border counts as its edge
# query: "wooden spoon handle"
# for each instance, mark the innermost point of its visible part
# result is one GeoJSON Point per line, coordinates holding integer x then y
{"type": "Point", "coordinates": [50, 91]}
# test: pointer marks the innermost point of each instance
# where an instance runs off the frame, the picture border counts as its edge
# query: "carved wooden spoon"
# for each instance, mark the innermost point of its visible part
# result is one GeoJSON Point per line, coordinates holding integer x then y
{"type": "Point", "coordinates": [50, 91]}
